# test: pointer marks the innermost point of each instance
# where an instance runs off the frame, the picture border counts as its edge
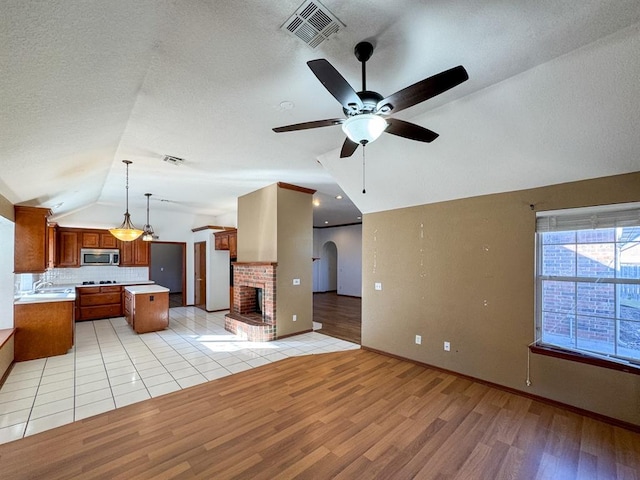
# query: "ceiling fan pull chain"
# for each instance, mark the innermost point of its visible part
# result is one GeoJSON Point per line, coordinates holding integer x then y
{"type": "Point", "coordinates": [363, 172]}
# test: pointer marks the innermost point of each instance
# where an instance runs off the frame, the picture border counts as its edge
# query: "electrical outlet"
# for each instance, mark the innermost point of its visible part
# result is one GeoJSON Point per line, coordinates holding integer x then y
{"type": "Point", "coordinates": [418, 339]}
{"type": "Point", "coordinates": [447, 347]}
{"type": "Point", "coordinates": [295, 317]}
{"type": "Point", "coordinates": [296, 281]}
{"type": "Point", "coordinates": [377, 285]}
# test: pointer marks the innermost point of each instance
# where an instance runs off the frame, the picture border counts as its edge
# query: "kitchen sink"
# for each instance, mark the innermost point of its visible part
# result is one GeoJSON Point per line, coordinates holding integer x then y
{"type": "Point", "coordinates": [66, 294]}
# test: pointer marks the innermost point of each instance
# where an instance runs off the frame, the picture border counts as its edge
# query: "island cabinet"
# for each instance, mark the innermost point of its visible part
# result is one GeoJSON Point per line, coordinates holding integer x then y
{"type": "Point", "coordinates": [146, 307]}
{"type": "Point", "coordinates": [134, 254]}
{"type": "Point", "coordinates": [42, 329]}
{"type": "Point", "coordinates": [31, 245]}
{"type": "Point", "coordinates": [97, 302]}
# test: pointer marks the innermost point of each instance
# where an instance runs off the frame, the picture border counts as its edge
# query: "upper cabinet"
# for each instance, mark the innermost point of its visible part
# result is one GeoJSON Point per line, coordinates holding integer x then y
{"type": "Point", "coordinates": [67, 248]}
{"type": "Point", "coordinates": [227, 240]}
{"type": "Point", "coordinates": [134, 254]}
{"type": "Point", "coordinates": [31, 240]}
{"type": "Point", "coordinates": [98, 239]}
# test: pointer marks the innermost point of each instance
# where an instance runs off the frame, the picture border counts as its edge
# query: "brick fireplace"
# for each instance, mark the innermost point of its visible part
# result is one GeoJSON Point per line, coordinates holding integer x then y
{"type": "Point", "coordinates": [253, 313]}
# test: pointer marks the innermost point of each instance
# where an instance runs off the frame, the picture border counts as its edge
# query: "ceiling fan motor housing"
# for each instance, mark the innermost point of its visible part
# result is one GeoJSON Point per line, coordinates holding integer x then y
{"type": "Point", "coordinates": [369, 99]}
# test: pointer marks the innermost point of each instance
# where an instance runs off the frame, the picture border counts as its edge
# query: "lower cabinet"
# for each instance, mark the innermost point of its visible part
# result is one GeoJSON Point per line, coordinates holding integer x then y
{"type": "Point", "coordinates": [93, 303]}
{"type": "Point", "coordinates": [43, 329]}
{"type": "Point", "coordinates": [147, 308]}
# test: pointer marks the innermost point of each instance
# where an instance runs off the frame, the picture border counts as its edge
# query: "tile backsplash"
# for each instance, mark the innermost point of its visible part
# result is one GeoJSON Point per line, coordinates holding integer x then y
{"type": "Point", "coordinates": [75, 276]}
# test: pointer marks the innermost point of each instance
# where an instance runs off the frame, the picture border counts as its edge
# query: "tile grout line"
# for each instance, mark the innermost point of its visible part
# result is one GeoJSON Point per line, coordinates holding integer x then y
{"type": "Point", "coordinates": [26, 424]}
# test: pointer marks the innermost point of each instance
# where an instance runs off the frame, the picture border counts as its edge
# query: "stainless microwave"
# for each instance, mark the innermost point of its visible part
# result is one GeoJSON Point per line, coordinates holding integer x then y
{"type": "Point", "coordinates": [99, 256]}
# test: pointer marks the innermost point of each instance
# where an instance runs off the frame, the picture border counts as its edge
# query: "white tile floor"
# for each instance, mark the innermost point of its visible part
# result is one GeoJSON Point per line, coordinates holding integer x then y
{"type": "Point", "coordinates": [110, 366]}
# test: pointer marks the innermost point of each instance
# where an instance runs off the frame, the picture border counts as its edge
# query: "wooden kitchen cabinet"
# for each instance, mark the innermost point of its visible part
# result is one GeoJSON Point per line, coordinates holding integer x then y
{"type": "Point", "coordinates": [134, 254]}
{"type": "Point", "coordinates": [68, 251]}
{"type": "Point", "coordinates": [147, 307]}
{"type": "Point", "coordinates": [97, 302]}
{"type": "Point", "coordinates": [227, 240]}
{"type": "Point", "coordinates": [43, 329]}
{"type": "Point", "coordinates": [31, 240]}
{"type": "Point", "coordinates": [52, 245]}
{"type": "Point", "coordinates": [98, 239]}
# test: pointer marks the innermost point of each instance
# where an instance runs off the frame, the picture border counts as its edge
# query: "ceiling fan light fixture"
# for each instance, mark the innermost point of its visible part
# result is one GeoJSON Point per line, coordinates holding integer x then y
{"type": "Point", "coordinates": [126, 232]}
{"type": "Point", "coordinates": [364, 128]}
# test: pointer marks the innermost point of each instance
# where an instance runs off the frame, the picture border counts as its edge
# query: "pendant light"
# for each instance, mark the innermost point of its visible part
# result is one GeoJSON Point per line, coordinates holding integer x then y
{"type": "Point", "coordinates": [147, 229]}
{"type": "Point", "coordinates": [126, 232]}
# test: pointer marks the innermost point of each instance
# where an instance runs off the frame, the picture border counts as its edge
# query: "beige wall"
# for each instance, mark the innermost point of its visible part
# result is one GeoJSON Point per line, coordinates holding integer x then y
{"type": "Point", "coordinates": [276, 225]}
{"type": "Point", "coordinates": [463, 271]}
{"type": "Point", "coordinates": [257, 225]}
{"type": "Point", "coordinates": [295, 252]}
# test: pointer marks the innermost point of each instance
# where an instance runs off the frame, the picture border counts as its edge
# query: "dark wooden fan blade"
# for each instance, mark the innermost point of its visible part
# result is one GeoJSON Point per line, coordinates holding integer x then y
{"type": "Point", "coordinates": [348, 147]}
{"type": "Point", "coordinates": [423, 90]}
{"type": "Point", "coordinates": [410, 130]}
{"type": "Point", "coordinates": [315, 124]}
{"type": "Point", "coordinates": [336, 84]}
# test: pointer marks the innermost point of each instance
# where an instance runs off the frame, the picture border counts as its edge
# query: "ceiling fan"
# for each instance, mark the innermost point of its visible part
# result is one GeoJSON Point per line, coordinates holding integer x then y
{"type": "Point", "coordinates": [367, 111]}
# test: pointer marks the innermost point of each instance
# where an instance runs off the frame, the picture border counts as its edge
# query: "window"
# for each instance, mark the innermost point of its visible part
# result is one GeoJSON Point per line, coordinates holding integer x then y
{"type": "Point", "coordinates": [588, 282]}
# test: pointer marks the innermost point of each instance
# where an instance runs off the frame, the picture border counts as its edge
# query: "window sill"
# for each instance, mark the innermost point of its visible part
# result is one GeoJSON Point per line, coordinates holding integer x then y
{"type": "Point", "coordinates": [577, 357]}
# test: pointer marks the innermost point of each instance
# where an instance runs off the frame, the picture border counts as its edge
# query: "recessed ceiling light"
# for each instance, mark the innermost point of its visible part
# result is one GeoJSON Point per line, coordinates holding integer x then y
{"type": "Point", "coordinates": [286, 105]}
{"type": "Point", "coordinates": [338, 197]}
{"type": "Point", "coordinates": [359, 218]}
{"type": "Point", "coordinates": [326, 222]}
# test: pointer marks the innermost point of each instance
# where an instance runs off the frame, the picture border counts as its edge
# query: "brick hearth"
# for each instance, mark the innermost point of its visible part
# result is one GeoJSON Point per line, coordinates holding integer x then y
{"type": "Point", "coordinates": [243, 319]}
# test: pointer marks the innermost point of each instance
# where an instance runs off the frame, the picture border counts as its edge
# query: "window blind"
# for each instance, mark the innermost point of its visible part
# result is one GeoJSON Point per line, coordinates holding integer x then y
{"type": "Point", "coordinates": [608, 216]}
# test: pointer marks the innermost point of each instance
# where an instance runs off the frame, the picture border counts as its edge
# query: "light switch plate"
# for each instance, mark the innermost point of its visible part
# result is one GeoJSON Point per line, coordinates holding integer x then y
{"type": "Point", "coordinates": [378, 286]}
{"type": "Point", "coordinates": [296, 281]}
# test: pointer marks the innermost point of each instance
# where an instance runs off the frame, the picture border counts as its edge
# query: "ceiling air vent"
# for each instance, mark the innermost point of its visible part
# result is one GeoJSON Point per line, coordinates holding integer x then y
{"type": "Point", "coordinates": [173, 160]}
{"type": "Point", "coordinates": [312, 23]}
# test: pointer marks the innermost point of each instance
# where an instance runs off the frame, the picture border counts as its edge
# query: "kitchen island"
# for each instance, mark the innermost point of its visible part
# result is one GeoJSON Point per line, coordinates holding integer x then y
{"type": "Point", "coordinates": [146, 307]}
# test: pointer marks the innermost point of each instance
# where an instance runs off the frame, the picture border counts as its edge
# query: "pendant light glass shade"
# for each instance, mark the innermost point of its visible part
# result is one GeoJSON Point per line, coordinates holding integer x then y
{"type": "Point", "coordinates": [364, 128]}
{"type": "Point", "coordinates": [127, 232]}
{"type": "Point", "coordinates": [147, 229]}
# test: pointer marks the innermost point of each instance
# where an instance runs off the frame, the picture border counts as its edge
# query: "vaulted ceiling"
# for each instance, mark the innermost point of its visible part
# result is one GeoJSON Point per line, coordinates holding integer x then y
{"type": "Point", "coordinates": [552, 97]}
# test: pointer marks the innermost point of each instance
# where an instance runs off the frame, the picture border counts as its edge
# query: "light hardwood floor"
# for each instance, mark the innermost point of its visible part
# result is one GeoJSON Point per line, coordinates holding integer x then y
{"type": "Point", "coordinates": [340, 315]}
{"type": "Point", "coordinates": [351, 415]}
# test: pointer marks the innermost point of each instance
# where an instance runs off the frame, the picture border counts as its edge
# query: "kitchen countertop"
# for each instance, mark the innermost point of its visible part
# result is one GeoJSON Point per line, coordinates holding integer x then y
{"type": "Point", "coordinates": [140, 282]}
{"type": "Point", "coordinates": [45, 297]}
{"type": "Point", "coordinates": [140, 289]}
{"type": "Point", "coordinates": [67, 293]}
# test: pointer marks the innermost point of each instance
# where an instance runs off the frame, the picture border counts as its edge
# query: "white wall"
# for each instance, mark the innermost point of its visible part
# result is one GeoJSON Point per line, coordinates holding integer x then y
{"type": "Point", "coordinates": [218, 271]}
{"type": "Point", "coordinates": [218, 277]}
{"type": "Point", "coordinates": [6, 273]}
{"type": "Point", "coordinates": [348, 240]}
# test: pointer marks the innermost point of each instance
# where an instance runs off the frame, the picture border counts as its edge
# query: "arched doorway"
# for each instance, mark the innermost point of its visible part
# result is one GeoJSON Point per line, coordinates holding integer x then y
{"type": "Point", "coordinates": [329, 268]}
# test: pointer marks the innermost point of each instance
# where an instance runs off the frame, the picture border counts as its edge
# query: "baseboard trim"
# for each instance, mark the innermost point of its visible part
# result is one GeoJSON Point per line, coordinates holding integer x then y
{"type": "Point", "coordinates": [580, 411]}
{"type": "Point", "coordinates": [280, 337]}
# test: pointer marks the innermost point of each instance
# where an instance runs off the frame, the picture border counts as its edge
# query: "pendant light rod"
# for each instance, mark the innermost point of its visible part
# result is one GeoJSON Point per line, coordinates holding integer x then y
{"type": "Point", "coordinates": [147, 229]}
{"type": "Point", "coordinates": [126, 232]}
{"type": "Point", "coordinates": [127, 163]}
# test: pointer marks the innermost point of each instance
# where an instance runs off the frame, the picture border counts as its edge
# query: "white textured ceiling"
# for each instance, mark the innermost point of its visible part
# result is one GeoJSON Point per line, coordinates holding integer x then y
{"type": "Point", "coordinates": [552, 97]}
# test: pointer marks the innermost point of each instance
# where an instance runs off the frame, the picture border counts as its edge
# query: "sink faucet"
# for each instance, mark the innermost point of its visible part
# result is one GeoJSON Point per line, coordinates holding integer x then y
{"type": "Point", "coordinates": [40, 284]}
